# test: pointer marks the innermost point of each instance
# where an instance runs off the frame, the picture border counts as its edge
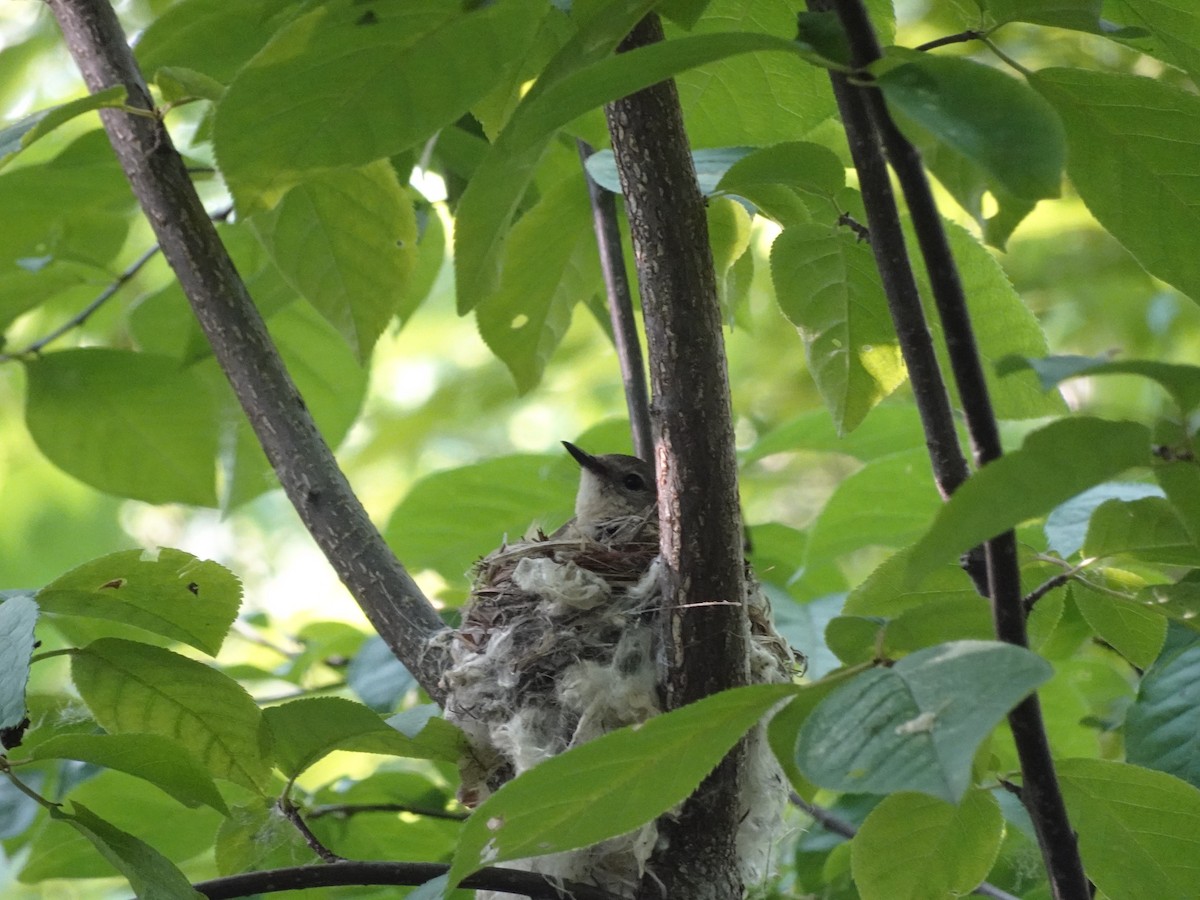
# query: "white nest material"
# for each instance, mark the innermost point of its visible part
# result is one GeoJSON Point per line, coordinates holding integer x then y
{"type": "Point", "coordinates": [558, 646]}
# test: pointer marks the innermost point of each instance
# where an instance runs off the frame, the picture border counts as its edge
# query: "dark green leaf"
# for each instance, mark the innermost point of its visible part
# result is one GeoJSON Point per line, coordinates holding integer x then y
{"type": "Point", "coordinates": [1134, 143]}
{"type": "Point", "coordinates": [132, 687]}
{"type": "Point", "coordinates": [180, 85]}
{"type": "Point", "coordinates": [916, 726]}
{"type": "Point", "coordinates": [827, 285]}
{"type": "Point", "coordinates": [20, 134]}
{"type": "Point", "coordinates": [1054, 464]}
{"type": "Point", "coordinates": [128, 433]}
{"type": "Point", "coordinates": [160, 760]}
{"type": "Point", "coordinates": [170, 593]}
{"type": "Point", "coordinates": [1135, 828]}
{"type": "Point", "coordinates": [18, 615]}
{"type": "Point", "coordinates": [1078, 15]}
{"type": "Point", "coordinates": [622, 780]}
{"type": "Point", "coordinates": [1162, 727]}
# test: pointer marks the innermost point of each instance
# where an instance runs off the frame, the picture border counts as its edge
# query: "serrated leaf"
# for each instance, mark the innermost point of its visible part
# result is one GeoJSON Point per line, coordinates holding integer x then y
{"type": "Point", "coordinates": [1066, 526]}
{"type": "Point", "coordinates": [390, 80]}
{"type": "Point", "coordinates": [346, 240]}
{"type": "Point", "coordinates": [1182, 382]}
{"type": "Point", "coordinates": [1134, 143]}
{"type": "Point", "coordinates": [983, 114]}
{"type": "Point", "coordinates": [1180, 479]}
{"type": "Point", "coordinates": [160, 760]}
{"type": "Point", "coordinates": [1136, 828]}
{"type": "Point", "coordinates": [1147, 528]}
{"type": "Point", "coordinates": [18, 615]}
{"type": "Point", "coordinates": [169, 592]}
{"type": "Point", "coordinates": [1175, 25]}
{"type": "Point", "coordinates": [916, 726]}
{"type": "Point", "coordinates": [1133, 629]}
{"type": "Point", "coordinates": [827, 285]}
{"type": "Point", "coordinates": [549, 264]}
{"type": "Point", "coordinates": [128, 433]}
{"type": "Point", "coordinates": [304, 731]}
{"type": "Point", "coordinates": [623, 779]}
{"type": "Point", "coordinates": [150, 874]}
{"type": "Point", "coordinates": [1162, 727]}
{"type": "Point", "coordinates": [132, 687]}
{"type": "Point", "coordinates": [1078, 15]}
{"type": "Point", "coordinates": [947, 850]}
{"type": "Point", "coordinates": [20, 134]}
{"type": "Point", "coordinates": [1054, 464]}
{"type": "Point", "coordinates": [883, 592]}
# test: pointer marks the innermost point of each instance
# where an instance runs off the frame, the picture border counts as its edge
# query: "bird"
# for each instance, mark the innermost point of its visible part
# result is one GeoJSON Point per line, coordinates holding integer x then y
{"type": "Point", "coordinates": [612, 487]}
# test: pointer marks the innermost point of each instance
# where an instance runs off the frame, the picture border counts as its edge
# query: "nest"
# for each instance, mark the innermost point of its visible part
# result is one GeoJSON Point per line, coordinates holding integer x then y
{"type": "Point", "coordinates": [558, 645]}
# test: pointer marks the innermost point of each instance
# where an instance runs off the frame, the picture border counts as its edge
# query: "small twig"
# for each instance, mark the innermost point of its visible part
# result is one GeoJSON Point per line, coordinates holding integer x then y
{"type": "Point", "coordinates": [839, 826]}
{"type": "Point", "coordinates": [346, 810]}
{"type": "Point", "coordinates": [961, 38]}
{"type": "Point", "coordinates": [1043, 589]}
{"type": "Point", "coordinates": [620, 310]}
{"type": "Point", "coordinates": [861, 230]}
{"type": "Point", "coordinates": [285, 806]}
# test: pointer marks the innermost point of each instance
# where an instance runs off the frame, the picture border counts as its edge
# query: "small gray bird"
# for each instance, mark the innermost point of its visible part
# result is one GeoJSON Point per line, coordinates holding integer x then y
{"type": "Point", "coordinates": [613, 489]}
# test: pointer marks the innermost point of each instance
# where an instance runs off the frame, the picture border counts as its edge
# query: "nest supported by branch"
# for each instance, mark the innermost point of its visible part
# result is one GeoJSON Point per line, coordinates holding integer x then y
{"type": "Point", "coordinates": [559, 644]}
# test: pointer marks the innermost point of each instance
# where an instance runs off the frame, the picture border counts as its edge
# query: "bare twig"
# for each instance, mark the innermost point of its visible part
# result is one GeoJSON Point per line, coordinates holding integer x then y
{"type": "Point", "coordinates": [961, 38]}
{"type": "Point", "coordinates": [292, 814]}
{"type": "Point", "coordinates": [620, 310]}
{"type": "Point", "coordinates": [303, 461]}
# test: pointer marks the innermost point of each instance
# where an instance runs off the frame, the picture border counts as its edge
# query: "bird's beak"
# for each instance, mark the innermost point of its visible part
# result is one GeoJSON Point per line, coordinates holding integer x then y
{"type": "Point", "coordinates": [585, 459]}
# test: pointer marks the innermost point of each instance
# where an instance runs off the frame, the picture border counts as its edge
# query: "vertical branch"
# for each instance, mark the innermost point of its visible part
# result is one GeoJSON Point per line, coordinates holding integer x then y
{"type": "Point", "coordinates": [303, 461]}
{"type": "Point", "coordinates": [705, 622]}
{"type": "Point", "coordinates": [620, 311]}
{"type": "Point", "coordinates": [1040, 794]}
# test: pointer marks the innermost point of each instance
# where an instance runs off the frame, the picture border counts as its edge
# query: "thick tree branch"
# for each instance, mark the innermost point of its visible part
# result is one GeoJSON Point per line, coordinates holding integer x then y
{"type": "Point", "coordinates": [526, 884]}
{"type": "Point", "coordinates": [303, 461]}
{"type": "Point", "coordinates": [697, 469]}
{"type": "Point", "coordinates": [1041, 793]}
{"type": "Point", "coordinates": [620, 311]}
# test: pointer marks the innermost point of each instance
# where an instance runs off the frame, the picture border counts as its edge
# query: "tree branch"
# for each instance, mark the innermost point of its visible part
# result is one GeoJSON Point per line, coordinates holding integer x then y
{"type": "Point", "coordinates": [697, 470]}
{"type": "Point", "coordinates": [303, 461]}
{"type": "Point", "coordinates": [528, 884]}
{"type": "Point", "coordinates": [1041, 793]}
{"type": "Point", "coordinates": [620, 310]}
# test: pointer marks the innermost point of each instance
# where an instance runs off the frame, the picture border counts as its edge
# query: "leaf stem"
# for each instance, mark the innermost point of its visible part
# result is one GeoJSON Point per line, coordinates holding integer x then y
{"type": "Point", "coordinates": [25, 789]}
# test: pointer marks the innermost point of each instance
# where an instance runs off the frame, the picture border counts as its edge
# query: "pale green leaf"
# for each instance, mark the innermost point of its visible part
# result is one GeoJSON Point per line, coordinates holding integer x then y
{"type": "Point", "coordinates": [1131, 628]}
{"type": "Point", "coordinates": [947, 850]}
{"type": "Point", "coordinates": [132, 687]}
{"type": "Point", "coordinates": [169, 592]}
{"type": "Point", "coordinates": [1137, 828]}
{"type": "Point", "coordinates": [1134, 144]}
{"type": "Point", "coordinates": [827, 285]}
{"type": "Point", "coordinates": [611, 785]}
{"type": "Point", "coordinates": [20, 134]}
{"type": "Point", "coordinates": [711, 165]}
{"type": "Point", "coordinates": [1147, 528]}
{"type": "Point", "coordinates": [1180, 601]}
{"type": "Point", "coordinates": [180, 85]}
{"type": "Point", "coordinates": [917, 725]}
{"type": "Point", "coordinates": [18, 615]}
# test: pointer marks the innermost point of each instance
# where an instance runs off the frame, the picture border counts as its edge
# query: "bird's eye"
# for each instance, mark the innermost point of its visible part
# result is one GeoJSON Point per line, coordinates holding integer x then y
{"type": "Point", "coordinates": [633, 482]}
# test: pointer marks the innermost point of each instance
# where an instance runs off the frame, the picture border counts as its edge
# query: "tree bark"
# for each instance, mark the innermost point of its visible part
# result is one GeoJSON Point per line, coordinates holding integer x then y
{"type": "Point", "coordinates": [705, 621]}
{"type": "Point", "coordinates": [303, 461]}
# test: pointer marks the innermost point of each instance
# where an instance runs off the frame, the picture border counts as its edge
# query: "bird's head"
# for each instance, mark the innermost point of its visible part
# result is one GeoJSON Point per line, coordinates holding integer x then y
{"type": "Point", "coordinates": [611, 486]}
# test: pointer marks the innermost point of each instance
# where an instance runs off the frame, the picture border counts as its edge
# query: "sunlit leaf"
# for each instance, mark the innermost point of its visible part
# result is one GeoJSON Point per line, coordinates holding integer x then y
{"type": "Point", "coordinates": [20, 134]}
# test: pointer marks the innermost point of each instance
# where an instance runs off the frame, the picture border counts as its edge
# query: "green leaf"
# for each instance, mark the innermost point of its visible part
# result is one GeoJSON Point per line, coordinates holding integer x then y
{"type": "Point", "coordinates": [947, 850]}
{"type": "Point", "coordinates": [889, 428]}
{"type": "Point", "coordinates": [431, 736]}
{"type": "Point", "coordinates": [1066, 526]}
{"type": "Point", "coordinates": [785, 179]}
{"type": "Point", "coordinates": [986, 129]}
{"type": "Point", "coordinates": [132, 687]}
{"type": "Point", "coordinates": [181, 85]}
{"type": "Point", "coordinates": [160, 760]}
{"type": "Point", "coordinates": [391, 81]}
{"type": "Point", "coordinates": [450, 519]}
{"type": "Point", "coordinates": [711, 164]}
{"type": "Point", "coordinates": [1054, 464]}
{"type": "Point", "coordinates": [1078, 15]}
{"type": "Point", "coordinates": [1134, 630]}
{"type": "Point", "coordinates": [18, 615]}
{"type": "Point", "coordinates": [827, 285]}
{"type": "Point", "coordinates": [169, 592]}
{"type": "Point", "coordinates": [916, 726]}
{"type": "Point", "coordinates": [1178, 474]}
{"type": "Point", "coordinates": [1180, 602]}
{"type": "Point", "coordinates": [1133, 144]}
{"type": "Point", "coordinates": [549, 264]}
{"type": "Point", "coordinates": [1175, 25]}
{"type": "Point", "coordinates": [622, 780]}
{"type": "Point", "coordinates": [1147, 528]}
{"type": "Point", "coordinates": [346, 240]}
{"type": "Point", "coordinates": [256, 837]}
{"type": "Point", "coordinates": [1182, 382]}
{"type": "Point", "coordinates": [1136, 828]}
{"type": "Point", "coordinates": [883, 593]}
{"type": "Point", "coordinates": [127, 433]}
{"type": "Point", "coordinates": [20, 134]}
{"type": "Point", "coordinates": [150, 874]}
{"type": "Point", "coordinates": [304, 731]}
{"type": "Point", "coordinates": [1162, 727]}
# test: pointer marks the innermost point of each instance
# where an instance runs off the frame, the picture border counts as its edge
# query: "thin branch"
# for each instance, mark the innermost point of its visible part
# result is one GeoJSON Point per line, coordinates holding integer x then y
{"type": "Point", "coordinates": [961, 38]}
{"type": "Point", "coordinates": [1031, 599]}
{"type": "Point", "coordinates": [527, 884]}
{"type": "Point", "coordinates": [346, 810]}
{"type": "Point", "coordinates": [839, 826]}
{"type": "Point", "coordinates": [1041, 795]}
{"type": "Point", "coordinates": [292, 814]}
{"type": "Point", "coordinates": [302, 460]}
{"type": "Point", "coordinates": [620, 310]}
